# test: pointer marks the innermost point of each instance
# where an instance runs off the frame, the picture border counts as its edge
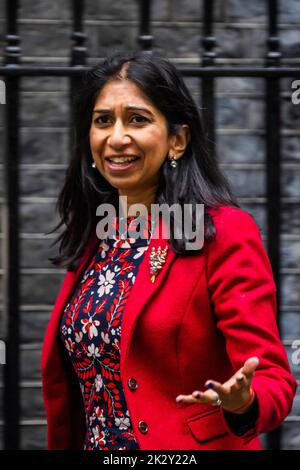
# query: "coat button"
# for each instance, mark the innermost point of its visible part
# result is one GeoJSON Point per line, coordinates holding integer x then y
{"type": "Point", "coordinates": [132, 384]}
{"type": "Point", "coordinates": [143, 427]}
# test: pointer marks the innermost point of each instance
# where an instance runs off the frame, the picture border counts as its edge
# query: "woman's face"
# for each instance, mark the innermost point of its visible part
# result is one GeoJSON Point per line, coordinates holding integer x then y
{"type": "Point", "coordinates": [126, 125]}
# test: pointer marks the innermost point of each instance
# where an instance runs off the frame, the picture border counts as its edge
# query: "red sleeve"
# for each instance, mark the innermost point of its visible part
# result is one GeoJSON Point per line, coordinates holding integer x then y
{"type": "Point", "coordinates": [243, 294]}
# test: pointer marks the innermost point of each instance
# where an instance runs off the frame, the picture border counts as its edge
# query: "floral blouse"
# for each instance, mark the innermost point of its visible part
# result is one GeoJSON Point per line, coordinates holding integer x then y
{"type": "Point", "coordinates": [91, 328]}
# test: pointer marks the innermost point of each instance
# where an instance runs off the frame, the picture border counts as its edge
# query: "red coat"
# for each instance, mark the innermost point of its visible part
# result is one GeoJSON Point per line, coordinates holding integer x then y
{"type": "Point", "coordinates": [201, 319]}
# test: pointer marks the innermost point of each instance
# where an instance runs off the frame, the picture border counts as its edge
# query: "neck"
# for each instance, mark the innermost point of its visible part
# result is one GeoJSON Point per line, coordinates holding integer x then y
{"type": "Point", "coordinates": [146, 198]}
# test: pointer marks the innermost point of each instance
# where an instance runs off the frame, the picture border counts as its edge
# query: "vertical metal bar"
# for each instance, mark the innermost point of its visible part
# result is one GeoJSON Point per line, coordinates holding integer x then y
{"type": "Point", "coordinates": [208, 84]}
{"type": "Point", "coordinates": [12, 279]}
{"type": "Point", "coordinates": [273, 157]}
{"type": "Point", "coordinates": [78, 52]}
{"type": "Point", "coordinates": [145, 39]}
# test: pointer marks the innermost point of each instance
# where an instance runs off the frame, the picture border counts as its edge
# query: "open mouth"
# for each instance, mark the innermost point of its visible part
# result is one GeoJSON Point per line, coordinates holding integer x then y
{"type": "Point", "coordinates": [121, 163]}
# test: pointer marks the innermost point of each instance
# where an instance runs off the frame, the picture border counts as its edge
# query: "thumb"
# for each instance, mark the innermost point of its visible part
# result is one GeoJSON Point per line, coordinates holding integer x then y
{"type": "Point", "coordinates": [250, 365]}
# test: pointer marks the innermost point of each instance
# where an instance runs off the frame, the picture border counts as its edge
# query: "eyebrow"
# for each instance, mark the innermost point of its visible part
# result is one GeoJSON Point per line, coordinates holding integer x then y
{"type": "Point", "coordinates": [128, 108]}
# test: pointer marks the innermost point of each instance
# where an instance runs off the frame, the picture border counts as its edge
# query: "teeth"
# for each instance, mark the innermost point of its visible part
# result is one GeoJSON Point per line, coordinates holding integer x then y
{"type": "Point", "coordinates": [122, 159]}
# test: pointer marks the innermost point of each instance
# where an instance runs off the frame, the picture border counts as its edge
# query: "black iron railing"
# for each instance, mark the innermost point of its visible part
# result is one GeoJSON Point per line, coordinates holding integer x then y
{"type": "Point", "coordinates": [13, 71]}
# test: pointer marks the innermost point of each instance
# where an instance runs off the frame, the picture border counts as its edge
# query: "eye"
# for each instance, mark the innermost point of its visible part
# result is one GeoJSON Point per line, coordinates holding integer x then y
{"type": "Point", "coordinates": [137, 119]}
{"type": "Point", "coordinates": [105, 119]}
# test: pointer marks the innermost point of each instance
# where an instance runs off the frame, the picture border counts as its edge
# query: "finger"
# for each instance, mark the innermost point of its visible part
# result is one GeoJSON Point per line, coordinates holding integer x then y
{"type": "Point", "coordinates": [239, 382]}
{"type": "Point", "coordinates": [197, 394]}
{"type": "Point", "coordinates": [215, 386]}
{"type": "Point", "coordinates": [193, 398]}
{"type": "Point", "coordinates": [250, 366]}
{"type": "Point", "coordinates": [208, 396]}
{"type": "Point", "coordinates": [233, 385]}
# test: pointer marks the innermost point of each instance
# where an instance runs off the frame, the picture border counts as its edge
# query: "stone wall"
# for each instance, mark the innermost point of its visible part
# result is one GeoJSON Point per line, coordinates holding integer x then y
{"type": "Point", "coordinates": [45, 28]}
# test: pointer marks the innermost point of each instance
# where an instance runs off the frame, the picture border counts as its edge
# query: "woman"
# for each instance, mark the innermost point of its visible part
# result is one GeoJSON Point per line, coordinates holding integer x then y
{"type": "Point", "coordinates": [151, 345]}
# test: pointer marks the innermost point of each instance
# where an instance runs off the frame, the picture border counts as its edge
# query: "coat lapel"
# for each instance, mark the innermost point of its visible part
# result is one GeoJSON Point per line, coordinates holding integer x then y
{"type": "Point", "coordinates": [69, 283]}
{"type": "Point", "coordinates": [144, 289]}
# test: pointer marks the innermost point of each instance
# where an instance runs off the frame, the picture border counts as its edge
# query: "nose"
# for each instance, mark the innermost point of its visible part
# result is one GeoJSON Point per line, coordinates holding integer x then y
{"type": "Point", "coordinates": [118, 136]}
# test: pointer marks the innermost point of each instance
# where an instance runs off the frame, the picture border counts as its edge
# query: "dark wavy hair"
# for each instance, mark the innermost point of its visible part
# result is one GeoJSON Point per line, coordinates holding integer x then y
{"type": "Point", "coordinates": [197, 179]}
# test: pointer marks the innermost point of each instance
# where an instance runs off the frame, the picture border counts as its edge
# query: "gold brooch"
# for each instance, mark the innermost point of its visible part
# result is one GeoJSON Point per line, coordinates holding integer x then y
{"type": "Point", "coordinates": [157, 259]}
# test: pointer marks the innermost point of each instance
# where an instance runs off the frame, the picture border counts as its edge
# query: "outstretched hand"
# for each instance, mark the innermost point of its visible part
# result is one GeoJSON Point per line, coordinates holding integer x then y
{"type": "Point", "coordinates": [233, 395]}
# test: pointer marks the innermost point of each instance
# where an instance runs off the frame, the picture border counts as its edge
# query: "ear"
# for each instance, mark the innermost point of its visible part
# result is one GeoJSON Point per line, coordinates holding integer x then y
{"type": "Point", "coordinates": [179, 142]}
